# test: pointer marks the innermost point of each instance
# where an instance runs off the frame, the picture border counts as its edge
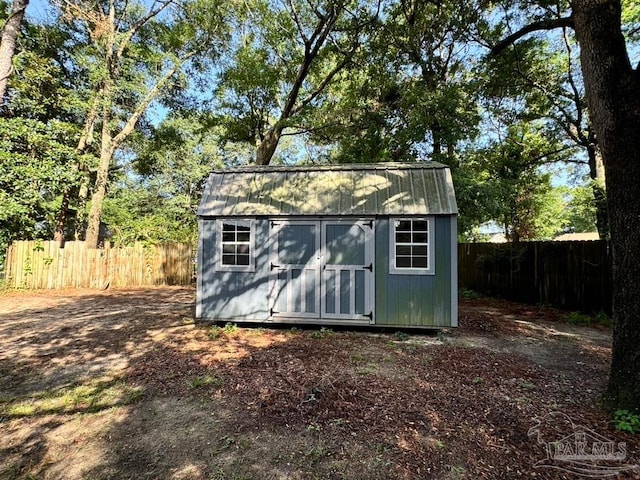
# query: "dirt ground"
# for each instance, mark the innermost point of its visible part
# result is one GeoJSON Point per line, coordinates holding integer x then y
{"type": "Point", "coordinates": [121, 384]}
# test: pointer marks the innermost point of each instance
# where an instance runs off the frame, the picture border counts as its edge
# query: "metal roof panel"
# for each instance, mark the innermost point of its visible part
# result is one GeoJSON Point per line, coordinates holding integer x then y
{"type": "Point", "coordinates": [418, 188]}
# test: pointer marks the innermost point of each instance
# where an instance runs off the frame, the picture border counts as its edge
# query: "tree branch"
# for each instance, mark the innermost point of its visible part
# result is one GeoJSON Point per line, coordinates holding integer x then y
{"type": "Point", "coordinates": [146, 101]}
{"type": "Point", "coordinates": [533, 27]}
{"type": "Point", "coordinates": [153, 12]}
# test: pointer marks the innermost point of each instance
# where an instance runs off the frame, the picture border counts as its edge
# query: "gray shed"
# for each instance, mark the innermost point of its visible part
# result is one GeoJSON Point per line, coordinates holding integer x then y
{"type": "Point", "coordinates": [357, 244]}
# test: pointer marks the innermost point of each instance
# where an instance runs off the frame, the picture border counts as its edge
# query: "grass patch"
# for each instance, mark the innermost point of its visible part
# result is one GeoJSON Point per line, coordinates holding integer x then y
{"type": "Point", "coordinates": [401, 336]}
{"type": "Point", "coordinates": [577, 318]}
{"type": "Point", "coordinates": [215, 332]}
{"type": "Point", "coordinates": [205, 381]}
{"type": "Point", "coordinates": [322, 333]}
{"type": "Point", "coordinates": [469, 294]}
{"type": "Point", "coordinates": [88, 398]}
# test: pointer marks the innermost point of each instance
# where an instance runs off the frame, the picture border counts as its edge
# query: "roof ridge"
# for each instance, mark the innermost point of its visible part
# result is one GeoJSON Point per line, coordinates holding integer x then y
{"type": "Point", "coordinates": [334, 166]}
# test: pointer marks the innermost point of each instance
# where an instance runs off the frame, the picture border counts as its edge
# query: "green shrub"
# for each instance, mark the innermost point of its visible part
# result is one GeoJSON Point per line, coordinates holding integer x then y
{"type": "Point", "coordinates": [626, 421]}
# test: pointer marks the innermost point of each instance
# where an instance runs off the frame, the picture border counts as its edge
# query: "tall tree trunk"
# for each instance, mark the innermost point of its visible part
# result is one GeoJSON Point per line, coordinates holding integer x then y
{"type": "Point", "coordinates": [10, 33]}
{"type": "Point", "coordinates": [613, 95]}
{"type": "Point", "coordinates": [268, 146]}
{"type": "Point", "coordinates": [86, 139]}
{"type": "Point", "coordinates": [99, 192]}
{"type": "Point", "coordinates": [598, 177]}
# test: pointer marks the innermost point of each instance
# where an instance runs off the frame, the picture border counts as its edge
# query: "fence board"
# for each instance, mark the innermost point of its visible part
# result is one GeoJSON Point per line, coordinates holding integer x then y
{"type": "Point", "coordinates": [44, 264]}
{"type": "Point", "coordinates": [570, 275]}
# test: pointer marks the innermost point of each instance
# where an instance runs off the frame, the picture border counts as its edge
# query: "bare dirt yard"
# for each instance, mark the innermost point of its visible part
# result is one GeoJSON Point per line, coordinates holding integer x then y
{"type": "Point", "coordinates": [121, 384]}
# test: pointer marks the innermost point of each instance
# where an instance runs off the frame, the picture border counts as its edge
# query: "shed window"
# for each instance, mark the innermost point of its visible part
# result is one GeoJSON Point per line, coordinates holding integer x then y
{"type": "Point", "coordinates": [236, 245]}
{"type": "Point", "coordinates": [411, 246]}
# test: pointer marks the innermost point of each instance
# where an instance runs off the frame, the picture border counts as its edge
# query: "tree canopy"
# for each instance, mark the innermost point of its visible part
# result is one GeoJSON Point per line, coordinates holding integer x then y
{"type": "Point", "coordinates": [115, 111]}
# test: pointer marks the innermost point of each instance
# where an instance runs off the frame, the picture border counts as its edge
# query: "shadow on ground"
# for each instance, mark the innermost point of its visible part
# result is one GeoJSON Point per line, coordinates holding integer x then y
{"type": "Point", "coordinates": [122, 384]}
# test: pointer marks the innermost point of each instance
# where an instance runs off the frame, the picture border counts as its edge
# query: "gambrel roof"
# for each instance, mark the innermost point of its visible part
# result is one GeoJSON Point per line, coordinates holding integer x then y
{"type": "Point", "coordinates": [418, 188]}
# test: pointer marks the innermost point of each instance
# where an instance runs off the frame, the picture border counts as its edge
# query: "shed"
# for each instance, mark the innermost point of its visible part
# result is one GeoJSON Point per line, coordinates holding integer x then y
{"type": "Point", "coordinates": [356, 244]}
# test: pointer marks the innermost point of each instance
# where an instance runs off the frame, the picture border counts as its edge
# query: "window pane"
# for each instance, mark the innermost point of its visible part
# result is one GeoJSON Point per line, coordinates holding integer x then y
{"type": "Point", "coordinates": [420, 225]}
{"type": "Point", "coordinates": [243, 260]}
{"type": "Point", "coordinates": [403, 262]}
{"type": "Point", "coordinates": [243, 236]}
{"type": "Point", "coordinates": [419, 238]}
{"type": "Point", "coordinates": [228, 259]}
{"type": "Point", "coordinates": [419, 262]}
{"type": "Point", "coordinates": [403, 237]}
{"type": "Point", "coordinates": [228, 237]}
{"type": "Point", "coordinates": [403, 250]}
{"type": "Point", "coordinates": [243, 228]}
{"type": "Point", "coordinates": [403, 226]}
{"type": "Point", "coordinates": [242, 248]}
{"type": "Point", "coordinates": [228, 227]}
{"type": "Point", "coordinates": [228, 248]}
{"type": "Point", "coordinates": [419, 250]}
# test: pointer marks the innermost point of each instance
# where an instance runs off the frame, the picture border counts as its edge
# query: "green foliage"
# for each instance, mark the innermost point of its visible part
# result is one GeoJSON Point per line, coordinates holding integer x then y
{"type": "Point", "coordinates": [581, 209]}
{"type": "Point", "coordinates": [228, 330]}
{"type": "Point", "coordinates": [156, 200]}
{"type": "Point", "coordinates": [468, 293]}
{"type": "Point", "coordinates": [522, 198]}
{"type": "Point", "coordinates": [37, 160]}
{"type": "Point", "coordinates": [577, 318]}
{"type": "Point", "coordinates": [401, 336]}
{"type": "Point", "coordinates": [214, 332]}
{"type": "Point", "coordinates": [322, 333]}
{"type": "Point", "coordinates": [626, 421]}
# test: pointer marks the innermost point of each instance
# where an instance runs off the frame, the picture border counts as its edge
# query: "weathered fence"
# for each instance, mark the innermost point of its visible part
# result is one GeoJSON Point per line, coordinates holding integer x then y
{"type": "Point", "coordinates": [570, 275]}
{"type": "Point", "coordinates": [44, 264]}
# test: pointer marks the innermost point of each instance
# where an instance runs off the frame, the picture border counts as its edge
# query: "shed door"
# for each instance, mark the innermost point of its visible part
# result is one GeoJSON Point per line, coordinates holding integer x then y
{"type": "Point", "coordinates": [295, 269]}
{"type": "Point", "coordinates": [347, 270]}
{"type": "Point", "coordinates": [322, 269]}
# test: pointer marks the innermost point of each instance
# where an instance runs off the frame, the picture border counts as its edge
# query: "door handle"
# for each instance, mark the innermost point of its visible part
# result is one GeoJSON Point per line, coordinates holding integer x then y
{"type": "Point", "coordinates": [369, 267]}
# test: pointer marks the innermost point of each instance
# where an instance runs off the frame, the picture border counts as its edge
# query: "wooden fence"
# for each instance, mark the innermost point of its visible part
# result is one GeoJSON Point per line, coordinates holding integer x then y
{"type": "Point", "coordinates": [43, 264]}
{"type": "Point", "coordinates": [569, 275]}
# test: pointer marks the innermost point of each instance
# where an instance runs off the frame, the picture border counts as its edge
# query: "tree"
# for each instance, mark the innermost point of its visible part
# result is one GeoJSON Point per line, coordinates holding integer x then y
{"type": "Point", "coordinates": [521, 197]}
{"type": "Point", "coordinates": [284, 64]}
{"type": "Point", "coordinates": [581, 209]}
{"type": "Point", "coordinates": [35, 160]}
{"type": "Point", "coordinates": [612, 86]}
{"type": "Point", "coordinates": [543, 74]}
{"type": "Point", "coordinates": [38, 134]}
{"type": "Point", "coordinates": [136, 53]}
{"type": "Point", "coordinates": [410, 95]}
{"type": "Point", "coordinates": [10, 32]}
{"type": "Point", "coordinates": [156, 197]}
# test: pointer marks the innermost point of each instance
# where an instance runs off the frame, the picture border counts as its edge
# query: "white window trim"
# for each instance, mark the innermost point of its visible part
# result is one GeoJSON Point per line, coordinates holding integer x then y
{"type": "Point", "coordinates": [250, 222]}
{"type": "Point", "coordinates": [430, 270]}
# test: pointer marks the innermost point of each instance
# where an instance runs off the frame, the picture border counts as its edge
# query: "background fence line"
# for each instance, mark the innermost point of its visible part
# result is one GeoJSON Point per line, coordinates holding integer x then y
{"type": "Point", "coordinates": [44, 264]}
{"type": "Point", "coordinates": [573, 275]}
{"type": "Point", "coordinates": [570, 275]}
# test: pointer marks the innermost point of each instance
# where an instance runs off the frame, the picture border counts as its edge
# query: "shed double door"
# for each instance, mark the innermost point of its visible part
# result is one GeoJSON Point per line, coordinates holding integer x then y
{"type": "Point", "coordinates": [322, 269]}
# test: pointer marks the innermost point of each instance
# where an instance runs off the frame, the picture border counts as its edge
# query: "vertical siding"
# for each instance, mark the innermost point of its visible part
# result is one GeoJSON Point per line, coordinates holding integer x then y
{"type": "Point", "coordinates": [415, 300]}
{"type": "Point", "coordinates": [233, 295]}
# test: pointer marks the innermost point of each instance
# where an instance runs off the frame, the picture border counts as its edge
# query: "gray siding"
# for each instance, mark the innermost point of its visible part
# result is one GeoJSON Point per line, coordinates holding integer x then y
{"type": "Point", "coordinates": [415, 300]}
{"type": "Point", "coordinates": [233, 295]}
{"type": "Point", "coordinates": [400, 300]}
